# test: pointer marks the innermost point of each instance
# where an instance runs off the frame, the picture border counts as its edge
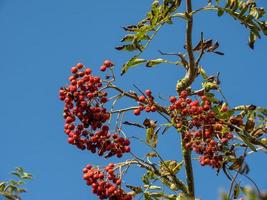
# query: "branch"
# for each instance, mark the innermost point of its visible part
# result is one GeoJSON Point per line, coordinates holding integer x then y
{"type": "Point", "coordinates": [152, 168]}
{"type": "Point", "coordinates": [191, 72]}
{"type": "Point", "coordinates": [188, 169]}
{"type": "Point", "coordinates": [135, 97]}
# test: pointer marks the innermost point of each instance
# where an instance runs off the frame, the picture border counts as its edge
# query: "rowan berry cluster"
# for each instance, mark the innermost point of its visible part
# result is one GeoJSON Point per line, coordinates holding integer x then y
{"type": "Point", "coordinates": [203, 131]}
{"type": "Point", "coordinates": [105, 184]}
{"type": "Point", "coordinates": [108, 144]}
{"type": "Point", "coordinates": [84, 99]}
{"type": "Point", "coordinates": [146, 103]}
{"type": "Point", "coordinates": [84, 113]}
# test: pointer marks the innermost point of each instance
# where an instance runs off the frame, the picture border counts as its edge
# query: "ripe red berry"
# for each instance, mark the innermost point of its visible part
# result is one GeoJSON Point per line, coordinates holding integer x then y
{"type": "Point", "coordinates": [118, 182]}
{"type": "Point", "coordinates": [148, 109]}
{"type": "Point", "coordinates": [79, 65]}
{"type": "Point", "coordinates": [108, 63]}
{"type": "Point", "coordinates": [148, 93]}
{"type": "Point", "coordinates": [74, 70]}
{"type": "Point", "coordinates": [172, 99]}
{"type": "Point", "coordinates": [153, 108]}
{"type": "Point", "coordinates": [103, 68]}
{"type": "Point", "coordinates": [184, 94]}
{"type": "Point", "coordinates": [142, 98]}
{"type": "Point", "coordinates": [88, 71]}
{"type": "Point", "coordinates": [137, 111]}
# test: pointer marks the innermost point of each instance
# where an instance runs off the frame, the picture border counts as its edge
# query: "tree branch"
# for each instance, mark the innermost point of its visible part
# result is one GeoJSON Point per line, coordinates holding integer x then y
{"type": "Point", "coordinates": [191, 72]}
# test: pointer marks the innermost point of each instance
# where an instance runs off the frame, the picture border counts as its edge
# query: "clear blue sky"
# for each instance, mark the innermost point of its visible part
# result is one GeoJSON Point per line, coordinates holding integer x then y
{"type": "Point", "coordinates": [40, 41]}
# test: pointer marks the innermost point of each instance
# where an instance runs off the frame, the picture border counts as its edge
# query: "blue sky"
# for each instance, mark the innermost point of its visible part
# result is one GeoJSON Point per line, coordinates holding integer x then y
{"type": "Point", "coordinates": [41, 40]}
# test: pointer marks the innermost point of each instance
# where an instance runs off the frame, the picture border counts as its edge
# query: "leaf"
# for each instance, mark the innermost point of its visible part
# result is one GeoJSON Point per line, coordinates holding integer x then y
{"type": "Point", "coordinates": [137, 190]}
{"type": "Point", "coordinates": [262, 110]}
{"type": "Point", "coordinates": [236, 191]}
{"type": "Point", "coordinates": [170, 167]}
{"type": "Point", "coordinates": [152, 187]}
{"type": "Point", "coordinates": [133, 124]}
{"type": "Point", "coordinates": [2, 186]}
{"type": "Point", "coordinates": [252, 38]}
{"type": "Point", "coordinates": [237, 163]}
{"type": "Point", "coordinates": [151, 155]}
{"type": "Point", "coordinates": [220, 12]}
{"type": "Point", "coordinates": [128, 38]}
{"type": "Point", "coordinates": [131, 63]}
{"type": "Point", "coordinates": [202, 73]}
{"type": "Point", "coordinates": [149, 134]}
{"type": "Point", "coordinates": [127, 47]}
{"type": "Point", "coordinates": [248, 143]}
{"type": "Point", "coordinates": [152, 63]}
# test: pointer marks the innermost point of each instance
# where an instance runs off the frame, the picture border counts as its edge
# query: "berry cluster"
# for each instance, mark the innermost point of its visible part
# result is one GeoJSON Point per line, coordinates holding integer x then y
{"type": "Point", "coordinates": [84, 99]}
{"type": "Point", "coordinates": [146, 103]}
{"type": "Point", "coordinates": [104, 141]}
{"type": "Point", "coordinates": [84, 103]}
{"type": "Point", "coordinates": [106, 185]}
{"type": "Point", "coordinates": [203, 131]}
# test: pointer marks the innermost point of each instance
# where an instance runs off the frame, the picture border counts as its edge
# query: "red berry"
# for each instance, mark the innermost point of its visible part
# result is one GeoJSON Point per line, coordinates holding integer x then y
{"type": "Point", "coordinates": [137, 111]}
{"type": "Point", "coordinates": [74, 70]}
{"type": "Point", "coordinates": [153, 108]}
{"type": "Point", "coordinates": [118, 182]}
{"type": "Point", "coordinates": [148, 93]}
{"type": "Point", "coordinates": [108, 63]}
{"type": "Point", "coordinates": [103, 68]}
{"type": "Point", "coordinates": [79, 65]}
{"type": "Point", "coordinates": [172, 99]}
{"type": "Point", "coordinates": [141, 98]}
{"type": "Point", "coordinates": [148, 109]}
{"type": "Point", "coordinates": [184, 94]}
{"type": "Point", "coordinates": [88, 71]}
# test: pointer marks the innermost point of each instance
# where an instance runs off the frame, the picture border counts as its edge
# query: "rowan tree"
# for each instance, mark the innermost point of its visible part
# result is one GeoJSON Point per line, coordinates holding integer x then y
{"type": "Point", "coordinates": [217, 135]}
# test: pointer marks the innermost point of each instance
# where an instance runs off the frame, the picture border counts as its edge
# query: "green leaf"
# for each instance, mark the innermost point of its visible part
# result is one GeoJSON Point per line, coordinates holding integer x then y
{"type": "Point", "coordinates": [257, 12]}
{"type": "Point", "coordinates": [170, 167]}
{"type": "Point", "coordinates": [247, 142]}
{"type": "Point", "coordinates": [202, 73]}
{"type": "Point", "coordinates": [131, 63]}
{"type": "Point", "coordinates": [2, 186]}
{"type": "Point", "coordinates": [152, 63]}
{"type": "Point", "coordinates": [262, 110]}
{"type": "Point", "coordinates": [236, 191]}
{"type": "Point", "coordinates": [220, 12]}
{"type": "Point", "coordinates": [149, 134]}
{"type": "Point", "coordinates": [129, 47]}
{"type": "Point", "coordinates": [137, 190]}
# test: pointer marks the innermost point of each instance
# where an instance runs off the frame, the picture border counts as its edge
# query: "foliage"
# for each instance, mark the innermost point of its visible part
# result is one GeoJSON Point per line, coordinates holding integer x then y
{"type": "Point", "coordinates": [11, 190]}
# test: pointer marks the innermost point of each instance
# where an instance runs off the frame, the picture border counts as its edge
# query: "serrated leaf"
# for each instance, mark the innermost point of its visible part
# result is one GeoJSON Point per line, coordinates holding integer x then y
{"type": "Point", "coordinates": [152, 63]}
{"type": "Point", "coordinates": [131, 63]}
